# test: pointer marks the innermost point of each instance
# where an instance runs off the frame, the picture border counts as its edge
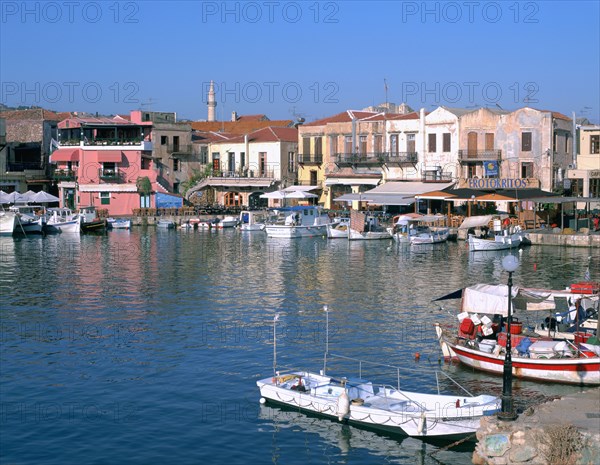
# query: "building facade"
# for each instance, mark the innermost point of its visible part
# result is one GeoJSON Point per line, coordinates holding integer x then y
{"type": "Point", "coordinates": [584, 176]}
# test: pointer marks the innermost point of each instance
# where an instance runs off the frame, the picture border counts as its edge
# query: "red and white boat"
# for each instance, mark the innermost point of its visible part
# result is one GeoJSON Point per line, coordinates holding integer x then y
{"type": "Point", "coordinates": [477, 343]}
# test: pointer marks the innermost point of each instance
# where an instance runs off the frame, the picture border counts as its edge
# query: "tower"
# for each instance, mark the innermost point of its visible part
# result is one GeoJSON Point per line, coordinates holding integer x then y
{"type": "Point", "coordinates": [212, 102]}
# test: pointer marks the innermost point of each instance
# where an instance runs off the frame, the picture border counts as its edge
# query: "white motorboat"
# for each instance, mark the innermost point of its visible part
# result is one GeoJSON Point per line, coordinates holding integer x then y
{"type": "Point", "coordinates": [338, 229]}
{"type": "Point", "coordinates": [380, 406]}
{"type": "Point", "coordinates": [118, 223]}
{"type": "Point", "coordinates": [8, 222]}
{"type": "Point", "coordinates": [429, 235]}
{"type": "Point", "coordinates": [226, 222]}
{"type": "Point", "coordinates": [28, 219]}
{"type": "Point", "coordinates": [90, 221]}
{"type": "Point", "coordinates": [365, 227]}
{"type": "Point", "coordinates": [63, 220]}
{"type": "Point", "coordinates": [251, 220]}
{"type": "Point", "coordinates": [502, 236]}
{"type": "Point", "coordinates": [298, 222]}
{"type": "Point", "coordinates": [165, 224]}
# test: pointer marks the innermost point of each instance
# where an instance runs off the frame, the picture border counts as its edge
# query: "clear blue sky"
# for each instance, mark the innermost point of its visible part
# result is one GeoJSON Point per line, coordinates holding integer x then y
{"type": "Point", "coordinates": [305, 58]}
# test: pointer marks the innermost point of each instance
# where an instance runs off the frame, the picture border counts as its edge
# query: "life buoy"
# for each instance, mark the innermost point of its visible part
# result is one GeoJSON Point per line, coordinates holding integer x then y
{"type": "Point", "coordinates": [506, 222]}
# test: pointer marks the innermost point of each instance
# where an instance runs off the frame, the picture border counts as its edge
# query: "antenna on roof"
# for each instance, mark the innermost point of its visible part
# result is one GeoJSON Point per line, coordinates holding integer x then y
{"type": "Point", "coordinates": [148, 103]}
{"type": "Point", "coordinates": [300, 117]}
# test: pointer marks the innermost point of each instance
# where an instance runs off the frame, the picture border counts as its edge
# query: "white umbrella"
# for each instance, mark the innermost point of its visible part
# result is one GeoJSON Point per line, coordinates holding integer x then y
{"type": "Point", "coordinates": [15, 197]}
{"type": "Point", "coordinates": [274, 195]}
{"type": "Point", "coordinates": [300, 195]}
{"type": "Point", "coordinates": [44, 197]}
{"type": "Point", "coordinates": [3, 197]}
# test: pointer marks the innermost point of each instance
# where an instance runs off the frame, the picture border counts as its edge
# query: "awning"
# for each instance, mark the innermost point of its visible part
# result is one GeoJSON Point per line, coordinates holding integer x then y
{"type": "Point", "coordinates": [64, 155]}
{"type": "Point", "coordinates": [238, 182]}
{"type": "Point", "coordinates": [300, 188]}
{"type": "Point", "coordinates": [107, 188]}
{"type": "Point", "coordinates": [352, 181]}
{"type": "Point", "coordinates": [407, 189]}
{"type": "Point", "coordinates": [436, 195]}
{"type": "Point", "coordinates": [389, 199]}
{"type": "Point", "coordinates": [475, 221]}
{"type": "Point", "coordinates": [109, 156]}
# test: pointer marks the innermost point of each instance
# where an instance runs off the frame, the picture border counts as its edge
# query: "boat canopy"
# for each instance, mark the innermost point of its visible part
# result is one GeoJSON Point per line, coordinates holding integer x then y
{"type": "Point", "coordinates": [476, 221]}
{"type": "Point", "coordinates": [493, 299]}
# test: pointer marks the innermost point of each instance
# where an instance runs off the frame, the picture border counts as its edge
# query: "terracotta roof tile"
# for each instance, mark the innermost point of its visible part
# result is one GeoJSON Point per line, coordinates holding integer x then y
{"type": "Point", "coordinates": [36, 114]}
{"type": "Point", "coordinates": [237, 127]}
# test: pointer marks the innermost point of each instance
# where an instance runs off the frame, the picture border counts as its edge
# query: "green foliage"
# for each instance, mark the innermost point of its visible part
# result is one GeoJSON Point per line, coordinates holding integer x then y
{"type": "Point", "coordinates": [144, 186]}
{"type": "Point", "coordinates": [195, 178]}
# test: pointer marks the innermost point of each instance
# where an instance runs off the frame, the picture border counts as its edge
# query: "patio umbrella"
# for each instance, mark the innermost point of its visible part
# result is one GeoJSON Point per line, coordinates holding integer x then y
{"type": "Point", "coordinates": [300, 195]}
{"type": "Point", "coordinates": [44, 197]}
{"type": "Point", "coordinates": [3, 197]}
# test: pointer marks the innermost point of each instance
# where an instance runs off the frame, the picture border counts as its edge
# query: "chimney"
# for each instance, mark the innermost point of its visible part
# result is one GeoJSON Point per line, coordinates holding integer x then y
{"type": "Point", "coordinates": [234, 116]}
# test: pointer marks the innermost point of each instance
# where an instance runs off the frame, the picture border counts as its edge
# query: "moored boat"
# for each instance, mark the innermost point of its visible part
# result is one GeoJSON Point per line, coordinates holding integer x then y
{"type": "Point", "coordinates": [502, 236]}
{"type": "Point", "coordinates": [118, 223]}
{"type": "Point", "coordinates": [252, 220]}
{"type": "Point", "coordinates": [295, 222]}
{"type": "Point", "coordinates": [479, 342]}
{"type": "Point", "coordinates": [90, 221]}
{"type": "Point", "coordinates": [165, 224]}
{"type": "Point", "coordinates": [366, 227]}
{"type": "Point", "coordinates": [8, 222]}
{"type": "Point", "coordinates": [62, 220]}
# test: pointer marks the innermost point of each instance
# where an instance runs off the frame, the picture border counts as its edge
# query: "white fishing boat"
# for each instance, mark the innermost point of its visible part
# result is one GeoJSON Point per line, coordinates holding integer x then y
{"type": "Point", "coordinates": [226, 222]}
{"type": "Point", "coordinates": [295, 222]}
{"type": "Point", "coordinates": [338, 229]}
{"type": "Point", "coordinates": [8, 223]}
{"type": "Point", "coordinates": [90, 221]}
{"type": "Point", "coordinates": [165, 224]}
{"type": "Point", "coordinates": [30, 218]}
{"type": "Point", "coordinates": [252, 220]}
{"type": "Point", "coordinates": [62, 220]}
{"type": "Point", "coordinates": [118, 223]}
{"type": "Point", "coordinates": [502, 236]}
{"type": "Point", "coordinates": [364, 403]}
{"type": "Point", "coordinates": [480, 343]}
{"type": "Point", "coordinates": [366, 227]}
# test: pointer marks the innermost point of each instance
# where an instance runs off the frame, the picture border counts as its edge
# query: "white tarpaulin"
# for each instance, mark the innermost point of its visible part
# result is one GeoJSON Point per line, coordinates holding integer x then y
{"type": "Point", "coordinates": [475, 221]}
{"type": "Point", "coordinates": [487, 299]}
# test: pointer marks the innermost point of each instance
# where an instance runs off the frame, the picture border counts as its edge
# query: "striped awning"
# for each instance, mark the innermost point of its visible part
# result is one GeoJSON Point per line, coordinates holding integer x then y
{"type": "Point", "coordinates": [64, 155]}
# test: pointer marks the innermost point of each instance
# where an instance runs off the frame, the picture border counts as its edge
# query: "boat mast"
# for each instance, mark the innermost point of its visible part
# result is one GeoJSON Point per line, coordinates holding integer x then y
{"type": "Point", "coordinates": [326, 310]}
{"type": "Point", "coordinates": [275, 344]}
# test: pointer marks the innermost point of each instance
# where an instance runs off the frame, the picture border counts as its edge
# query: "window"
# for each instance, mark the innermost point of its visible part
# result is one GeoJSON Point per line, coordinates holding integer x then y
{"type": "Point", "coordinates": [471, 171]}
{"type": "Point", "coordinates": [313, 178]}
{"type": "Point", "coordinates": [446, 142]}
{"type": "Point", "coordinates": [231, 162]}
{"type": "Point", "coordinates": [567, 143]}
{"type": "Point", "coordinates": [109, 168]}
{"type": "Point", "coordinates": [489, 141]}
{"type": "Point", "coordinates": [394, 144]}
{"type": "Point", "coordinates": [378, 142]}
{"type": "Point", "coordinates": [204, 155]}
{"type": "Point", "coordinates": [164, 140]}
{"type": "Point", "coordinates": [216, 157]}
{"type": "Point", "coordinates": [527, 169]}
{"type": "Point", "coordinates": [262, 160]}
{"type": "Point", "coordinates": [291, 162]}
{"type": "Point", "coordinates": [243, 160]}
{"type": "Point", "coordinates": [526, 142]}
{"type": "Point", "coordinates": [594, 144]}
{"type": "Point", "coordinates": [362, 145]}
{"type": "Point", "coordinates": [175, 143]}
{"type": "Point", "coordinates": [333, 146]}
{"type": "Point", "coordinates": [105, 198]}
{"type": "Point", "coordinates": [176, 164]}
{"type": "Point", "coordinates": [306, 145]}
{"type": "Point", "coordinates": [348, 144]}
{"type": "Point", "coordinates": [232, 199]}
{"type": "Point", "coordinates": [432, 147]}
{"type": "Point", "coordinates": [176, 187]}
{"type": "Point", "coordinates": [318, 145]}
{"type": "Point", "coordinates": [410, 143]}
{"type": "Point", "coordinates": [472, 144]}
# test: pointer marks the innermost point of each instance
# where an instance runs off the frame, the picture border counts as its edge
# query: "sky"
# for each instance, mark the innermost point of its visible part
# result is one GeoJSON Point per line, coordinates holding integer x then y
{"type": "Point", "coordinates": [300, 59]}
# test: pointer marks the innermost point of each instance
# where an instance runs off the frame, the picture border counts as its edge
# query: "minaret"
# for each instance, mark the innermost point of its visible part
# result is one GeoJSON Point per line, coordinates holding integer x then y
{"type": "Point", "coordinates": [212, 102]}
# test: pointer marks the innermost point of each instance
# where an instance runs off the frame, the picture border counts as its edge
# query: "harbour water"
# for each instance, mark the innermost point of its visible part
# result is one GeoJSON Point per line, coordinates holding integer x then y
{"type": "Point", "coordinates": [144, 347]}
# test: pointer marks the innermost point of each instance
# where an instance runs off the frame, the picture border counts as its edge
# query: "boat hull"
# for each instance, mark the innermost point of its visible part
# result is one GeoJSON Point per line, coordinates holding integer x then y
{"type": "Point", "coordinates": [355, 235]}
{"type": "Point", "coordinates": [441, 419]}
{"type": "Point", "coordinates": [580, 371]}
{"type": "Point", "coordinates": [293, 232]}
{"type": "Point", "coordinates": [93, 226]}
{"type": "Point", "coordinates": [433, 237]}
{"type": "Point", "coordinates": [69, 227]}
{"type": "Point", "coordinates": [8, 223]}
{"type": "Point", "coordinates": [496, 243]}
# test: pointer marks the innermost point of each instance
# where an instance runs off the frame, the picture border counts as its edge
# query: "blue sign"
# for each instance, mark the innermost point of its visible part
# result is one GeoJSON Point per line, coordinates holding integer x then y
{"type": "Point", "coordinates": [168, 201]}
{"type": "Point", "coordinates": [491, 169]}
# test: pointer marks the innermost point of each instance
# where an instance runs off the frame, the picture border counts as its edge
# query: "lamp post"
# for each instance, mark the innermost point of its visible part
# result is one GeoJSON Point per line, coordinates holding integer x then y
{"type": "Point", "coordinates": [510, 263]}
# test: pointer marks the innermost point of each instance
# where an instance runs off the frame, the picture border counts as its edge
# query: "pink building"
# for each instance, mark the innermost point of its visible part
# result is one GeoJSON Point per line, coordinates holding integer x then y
{"type": "Point", "coordinates": [105, 162]}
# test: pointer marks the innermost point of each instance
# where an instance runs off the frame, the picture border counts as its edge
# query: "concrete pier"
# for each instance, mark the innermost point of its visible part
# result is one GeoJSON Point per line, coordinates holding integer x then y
{"type": "Point", "coordinates": [565, 431]}
{"type": "Point", "coordinates": [552, 237]}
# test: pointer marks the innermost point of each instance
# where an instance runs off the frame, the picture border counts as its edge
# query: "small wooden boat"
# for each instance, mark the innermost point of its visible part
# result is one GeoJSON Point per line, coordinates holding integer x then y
{"type": "Point", "coordinates": [120, 223]}
{"type": "Point", "coordinates": [89, 220]}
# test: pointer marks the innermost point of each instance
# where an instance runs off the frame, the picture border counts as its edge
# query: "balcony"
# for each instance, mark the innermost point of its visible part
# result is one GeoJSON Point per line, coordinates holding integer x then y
{"type": "Point", "coordinates": [23, 166]}
{"type": "Point", "coordinates": [360, 159]}
{"type": "Point", "coordinates": [401, 158]}
{"type": "Point", "coordinates": [107, 144]}
{"type": "Point", "coordinates": [64, 175]}
{"type": "Point", "coordinates": [110, 175]}
{"type": "Point", "coordinates": [310, 158]}
{"type": "Point", "coordinates": [479, 155]}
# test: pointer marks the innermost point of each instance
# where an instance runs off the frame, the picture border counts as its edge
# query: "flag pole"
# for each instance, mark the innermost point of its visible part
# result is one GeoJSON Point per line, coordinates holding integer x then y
{"type": "Point", "coordinates": [326, 310]}
{"type": "Point", "coordinates": [275, 344]}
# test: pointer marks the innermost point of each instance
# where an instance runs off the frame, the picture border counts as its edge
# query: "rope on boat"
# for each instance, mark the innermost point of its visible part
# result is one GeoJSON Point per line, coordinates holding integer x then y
{"type": "Point", "coordinates": [456, 443]}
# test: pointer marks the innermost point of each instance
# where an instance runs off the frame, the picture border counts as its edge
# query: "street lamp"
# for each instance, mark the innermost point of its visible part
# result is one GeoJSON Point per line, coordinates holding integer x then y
{"type": "Point", "coordinates": [510, 263]}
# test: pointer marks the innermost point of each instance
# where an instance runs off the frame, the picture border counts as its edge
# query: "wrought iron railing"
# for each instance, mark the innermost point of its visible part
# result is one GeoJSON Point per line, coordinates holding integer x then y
{"type": "Point", "coordinates": [479, 155]}
{"type": "Point", "coordinates": [308, 158]}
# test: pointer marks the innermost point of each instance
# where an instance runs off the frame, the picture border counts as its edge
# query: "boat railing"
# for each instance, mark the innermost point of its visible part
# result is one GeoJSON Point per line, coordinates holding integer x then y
{"type": "Point", "coordinates": [365, 362]}
{"type": "Point", "coordinates": [451, 379]}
